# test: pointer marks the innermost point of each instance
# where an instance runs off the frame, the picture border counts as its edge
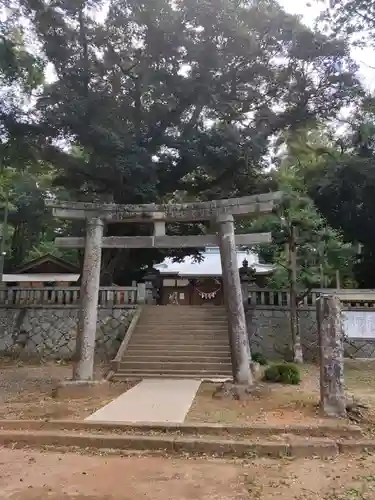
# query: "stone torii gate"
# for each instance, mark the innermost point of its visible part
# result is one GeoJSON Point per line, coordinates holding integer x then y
{"type": "Point", "coordinates": [219, 212]}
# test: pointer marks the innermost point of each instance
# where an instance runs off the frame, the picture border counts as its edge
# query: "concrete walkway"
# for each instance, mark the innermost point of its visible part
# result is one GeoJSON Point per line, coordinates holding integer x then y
{"type": "Point", "coordinates": [152, 400]}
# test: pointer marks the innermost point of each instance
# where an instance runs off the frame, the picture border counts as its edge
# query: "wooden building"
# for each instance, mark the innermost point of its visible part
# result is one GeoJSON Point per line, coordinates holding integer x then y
{"type": "Point", "coordinates": [191, 282]}
{"type": "Point", "coordinates": [45, 271]}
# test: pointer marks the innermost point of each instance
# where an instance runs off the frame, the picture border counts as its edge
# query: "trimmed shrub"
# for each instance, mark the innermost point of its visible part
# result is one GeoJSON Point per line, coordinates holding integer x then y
{"type": "Point", "coordinates": [260, 358]}
{"type": "Point", "coordinates": [283, 373]}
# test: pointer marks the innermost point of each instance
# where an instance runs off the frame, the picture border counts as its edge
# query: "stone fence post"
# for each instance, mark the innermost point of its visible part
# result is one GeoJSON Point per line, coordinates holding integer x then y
{"type": "Point", "coordinates": [331, 347]}
{"type": "Point", "coordinates": [141, 293]}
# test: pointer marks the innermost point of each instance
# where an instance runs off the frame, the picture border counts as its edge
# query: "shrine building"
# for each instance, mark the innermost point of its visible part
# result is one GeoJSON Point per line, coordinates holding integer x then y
{"type": "Point", "coordinates": [192, 282]}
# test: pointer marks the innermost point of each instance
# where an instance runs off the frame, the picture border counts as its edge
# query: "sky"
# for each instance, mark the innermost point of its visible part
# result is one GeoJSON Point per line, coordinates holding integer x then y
{"type": "Point", "coordinates": [309, 10]}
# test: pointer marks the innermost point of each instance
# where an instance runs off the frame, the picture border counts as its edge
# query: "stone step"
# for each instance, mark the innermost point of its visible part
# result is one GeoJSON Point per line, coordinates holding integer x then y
{"type": "Point", "coordinates": [191, 349]}
{"type": "Point", "coordinates": [196, 350]}
{"type": "Point", "coordinates": [182, 341]}
{"type": "Point", "coordinates": [195, 342]}
{"type": "Point", "coordinates": [182, 326]}
{"type": "Point", "coordinates": [183, 320]}
{"type": "Point", "coordinates": [180, 329]}
{"type": "Point", "coordinates": [180, 316]}
{"type": "Point", "coordinates": [181, 356]}
{"type": "Point", "coordinates": [178, 342]}
{"type": "Point", "coordinates": [179, 332]}
{"type": "Point", "coordinates": [174, 365]}
{"type": "Point", "coordinates": [121, 376]}
{"type": "Point", "coordinates": [163, 342]}
{"type": "Point", "coordinates": [176, 334]}
{"type": "Point", "coordinates": [166, 373]}
{"type": "Point", "coordinates": [181, 364]}
{"type": "Point", "coordinates": [181, 323]}
{"type": "Point", "coordinates": [184, 312]}
{"type": "Point", "coordinates": [151, 307]}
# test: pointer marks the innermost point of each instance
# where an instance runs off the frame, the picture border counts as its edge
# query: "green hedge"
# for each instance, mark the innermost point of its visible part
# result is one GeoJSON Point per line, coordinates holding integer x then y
{"type": "Point", "coordinates": [260, 358]}
{"type": "Point", "coordinates": [283, 373]}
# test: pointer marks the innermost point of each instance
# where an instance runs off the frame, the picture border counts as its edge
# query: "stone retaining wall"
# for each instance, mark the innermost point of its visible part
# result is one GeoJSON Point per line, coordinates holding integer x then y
{"type": "Point", "coordinates": [269, 332]}
{"type": "Point", "coordinates": [50, 333]}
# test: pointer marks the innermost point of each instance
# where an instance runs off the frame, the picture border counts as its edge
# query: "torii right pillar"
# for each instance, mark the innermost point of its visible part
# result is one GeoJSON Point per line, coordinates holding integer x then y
{"type": "Point", "coordinates": [238, 338]}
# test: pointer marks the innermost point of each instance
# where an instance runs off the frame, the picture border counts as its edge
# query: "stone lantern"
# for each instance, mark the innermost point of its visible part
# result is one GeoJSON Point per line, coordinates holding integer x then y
{"type": "Point", "coordinates": [152, 280]}
{"type": "Point", "coordinates": [247, 276]}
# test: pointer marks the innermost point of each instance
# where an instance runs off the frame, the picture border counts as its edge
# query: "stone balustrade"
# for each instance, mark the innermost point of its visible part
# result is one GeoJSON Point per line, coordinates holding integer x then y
{"type": "Point", "coordinates": [139, 293]}
{"type": "Point", "coordinates": [276, 299]}
{"type": "Point", "coordinates": [69, 296]}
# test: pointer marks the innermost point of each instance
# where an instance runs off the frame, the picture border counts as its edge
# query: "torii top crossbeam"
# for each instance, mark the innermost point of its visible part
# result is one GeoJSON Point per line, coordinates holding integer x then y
{"type": "Point", "coordinates": [184, 212]}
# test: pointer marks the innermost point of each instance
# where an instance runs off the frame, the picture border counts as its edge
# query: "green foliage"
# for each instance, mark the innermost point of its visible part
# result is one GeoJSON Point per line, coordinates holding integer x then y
{"type": "Point", "coordinates": [21, 73]}
{"type": "Point", "coordinates": [17, 65]}
{"type": "Point", "coordinates": [343, 189]}
{"type": "Point", "coordinates": [260, 358]}
{"type": "Point", "coordinates": [31, 227]}
{"type": "Point", "coordinates": [283, 373]}
{"type": "Point", "coordinates": [320, 250]}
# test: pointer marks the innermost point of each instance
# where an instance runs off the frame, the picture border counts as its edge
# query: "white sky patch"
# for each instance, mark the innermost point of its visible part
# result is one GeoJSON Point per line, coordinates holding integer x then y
{"type": "Point", "coordinates": [309, 11]}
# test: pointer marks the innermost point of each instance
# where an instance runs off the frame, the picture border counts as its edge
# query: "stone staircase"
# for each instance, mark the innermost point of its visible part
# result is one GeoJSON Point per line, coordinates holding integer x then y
{"type": "Point", "coordinates": [178, 342]}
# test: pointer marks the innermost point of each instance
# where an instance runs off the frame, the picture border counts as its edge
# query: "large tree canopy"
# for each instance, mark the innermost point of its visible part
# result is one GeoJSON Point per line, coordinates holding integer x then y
{"type": "Point", "coordinates": [154, 99]}
{"type": "Point", "coordinates": [159, 89]}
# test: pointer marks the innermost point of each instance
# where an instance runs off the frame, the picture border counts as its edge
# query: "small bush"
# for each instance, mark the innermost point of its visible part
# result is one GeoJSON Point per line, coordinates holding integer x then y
{"type": "Point", "coordinates": [283, 373]}
{"type": "Point", "coordinates": [260, 358]}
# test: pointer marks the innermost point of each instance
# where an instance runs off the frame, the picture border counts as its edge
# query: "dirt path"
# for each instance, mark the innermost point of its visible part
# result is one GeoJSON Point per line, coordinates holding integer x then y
{"type": "Point", "coordinates": [32, 475]}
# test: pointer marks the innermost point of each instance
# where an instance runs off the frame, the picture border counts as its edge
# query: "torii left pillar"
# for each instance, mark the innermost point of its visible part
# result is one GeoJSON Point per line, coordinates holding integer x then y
{"type": "Point", "coordinates": [85, 347]}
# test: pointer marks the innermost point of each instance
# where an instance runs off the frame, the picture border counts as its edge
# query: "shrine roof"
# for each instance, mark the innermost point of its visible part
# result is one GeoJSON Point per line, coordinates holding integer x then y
{"type": "Point", "coordinates": [210, 265]}
{"type": "Point", "coordinates": [40, 278]}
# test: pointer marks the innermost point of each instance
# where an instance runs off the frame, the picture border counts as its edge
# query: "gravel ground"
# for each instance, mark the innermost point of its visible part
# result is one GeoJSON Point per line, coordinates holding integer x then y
{"type": "Point", "coordinates": [32, 475]}
{"type": "Point", "coordinates": [285, 404]}
{"type": "Point", "coordinates": [25, 393]}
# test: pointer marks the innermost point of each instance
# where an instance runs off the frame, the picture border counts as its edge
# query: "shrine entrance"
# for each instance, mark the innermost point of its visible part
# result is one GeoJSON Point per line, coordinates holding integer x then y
{"type": "Point", "coordinates": [221, 213]}
{"type": "Point", "coordinates": [193, 292]}
{"type": "Point", "coordinates": [207, 291]}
